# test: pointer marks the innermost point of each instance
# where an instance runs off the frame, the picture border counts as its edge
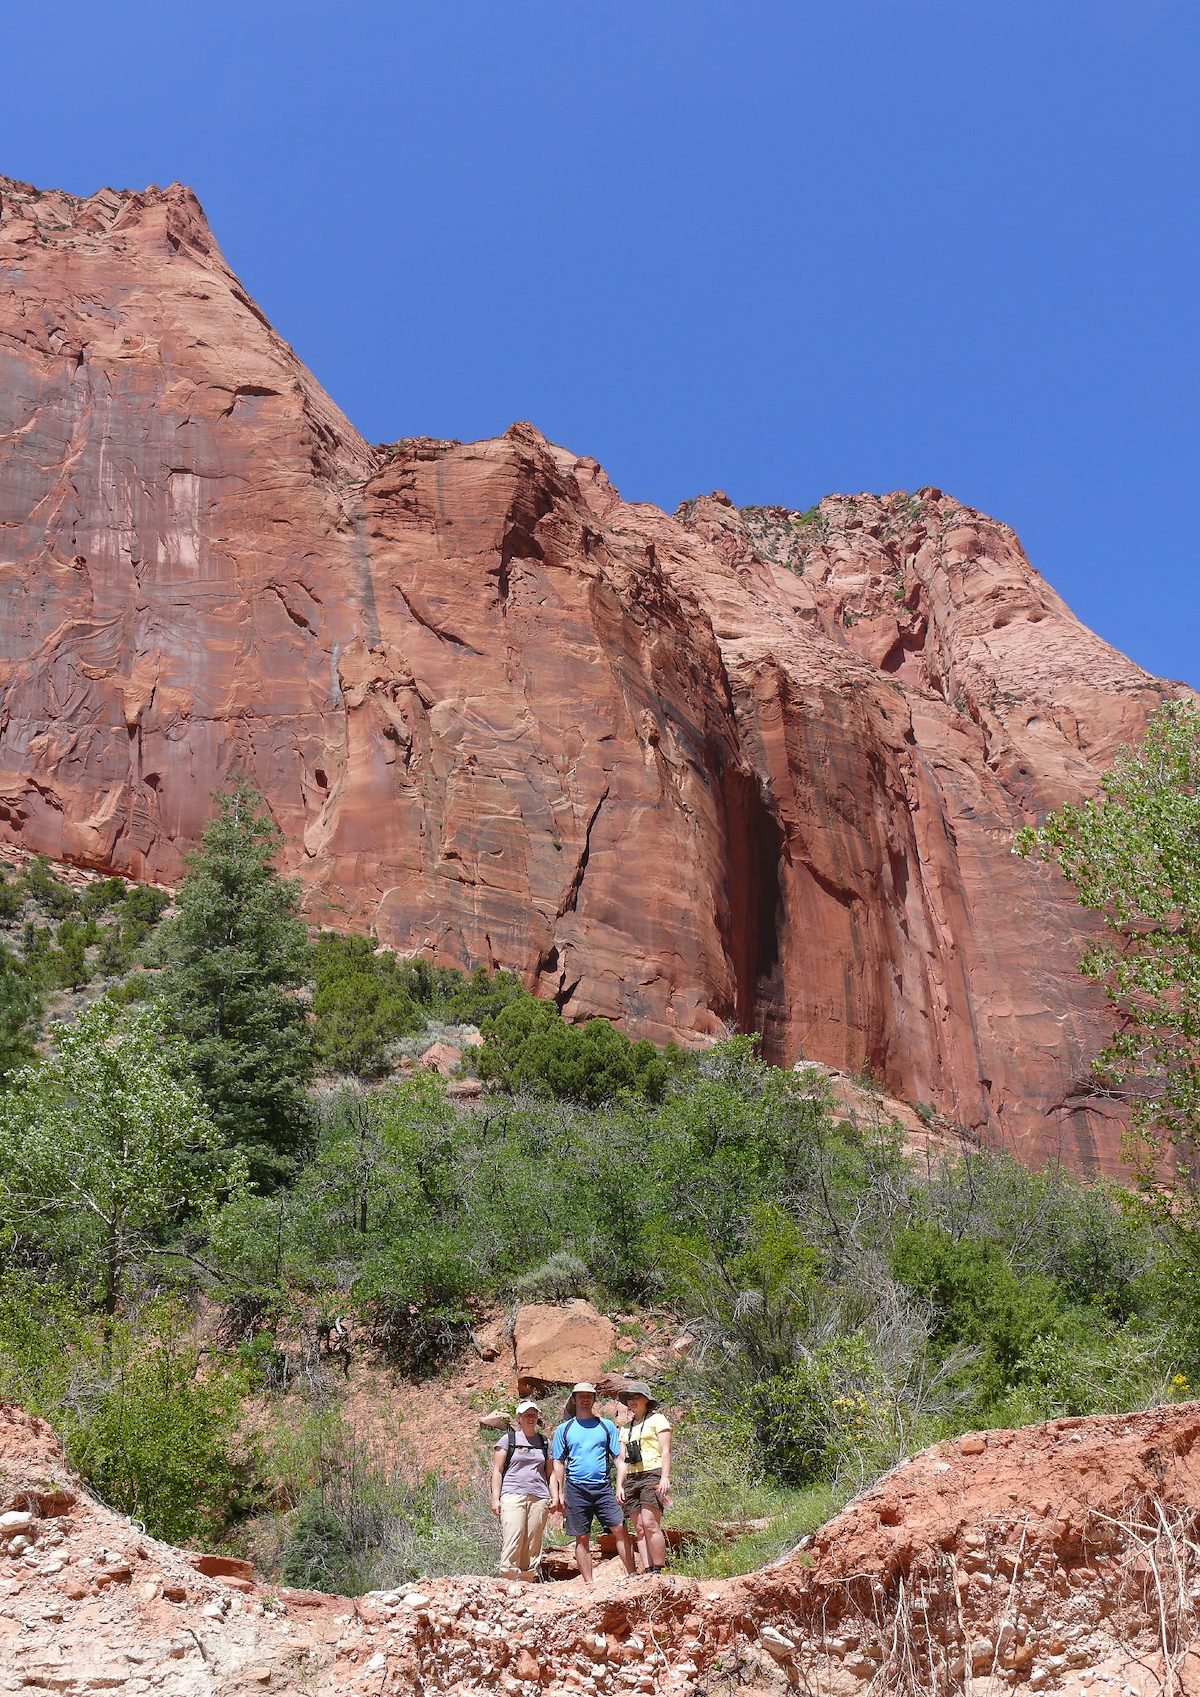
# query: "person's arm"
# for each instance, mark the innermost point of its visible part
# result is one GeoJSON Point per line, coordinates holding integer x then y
{"type": "Point", "coordinates": [558, 1474]}
{"type": "Point", "coordinates": [497, 1477]}
{"type": "Point", "coordinates": [664, 1445]}
{"type": "Point", "coordinates": [618, 1452]}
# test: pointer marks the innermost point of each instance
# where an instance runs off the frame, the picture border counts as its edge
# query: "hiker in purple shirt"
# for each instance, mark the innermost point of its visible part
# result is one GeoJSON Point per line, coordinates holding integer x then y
{"type": "Point", "coordinates": [521, 1494]}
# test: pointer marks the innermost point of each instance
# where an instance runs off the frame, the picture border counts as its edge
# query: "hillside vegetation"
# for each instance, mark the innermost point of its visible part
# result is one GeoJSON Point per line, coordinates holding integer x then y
{"type": "Point", "coordinates": [224, 1132]}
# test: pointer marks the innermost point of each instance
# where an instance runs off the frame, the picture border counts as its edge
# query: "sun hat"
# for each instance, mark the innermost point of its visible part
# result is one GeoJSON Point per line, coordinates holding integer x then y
{"type": "Point", "coordinates": [638, 1387]}
{"type": "Point", "coordinates": [524, 1407]}
{"type": "Point", "coordinates": [569, 1405]}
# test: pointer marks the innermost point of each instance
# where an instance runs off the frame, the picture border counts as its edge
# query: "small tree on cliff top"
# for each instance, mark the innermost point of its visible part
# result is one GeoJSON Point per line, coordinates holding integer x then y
{"type": "Point", "coordinates": [1133, 856]}
{"type": "Point", "coordinates": [234, 957]}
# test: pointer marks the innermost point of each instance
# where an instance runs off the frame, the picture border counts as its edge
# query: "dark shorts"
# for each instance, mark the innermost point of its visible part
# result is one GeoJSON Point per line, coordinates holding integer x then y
{"type": "Point", "coordinates": [641, 1491]}
{"type": "Point", "coordinates": [586, 1503]}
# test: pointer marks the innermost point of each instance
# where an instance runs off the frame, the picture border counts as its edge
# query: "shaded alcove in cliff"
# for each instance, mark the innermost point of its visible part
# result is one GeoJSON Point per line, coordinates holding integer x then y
{"type": "Point", "coordinates": [754, 913]}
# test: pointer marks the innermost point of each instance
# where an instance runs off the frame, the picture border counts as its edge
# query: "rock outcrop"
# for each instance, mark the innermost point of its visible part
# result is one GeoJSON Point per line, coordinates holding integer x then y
{"type": "Point", "coordinates": [560, 1345]}
{"type": "Point", "coordinates": [728, 768]}
{"type": "Point", "coordinates": [1043, 1560]}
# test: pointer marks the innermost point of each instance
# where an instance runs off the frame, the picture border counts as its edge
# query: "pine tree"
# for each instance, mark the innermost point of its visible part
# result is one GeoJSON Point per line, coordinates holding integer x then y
{"type": "Point", "coordinates": [234, 957]}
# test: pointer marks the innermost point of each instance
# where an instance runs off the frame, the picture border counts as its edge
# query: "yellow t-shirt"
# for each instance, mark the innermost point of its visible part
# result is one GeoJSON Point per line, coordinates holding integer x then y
{"type": "Point", "coordinates": [649, 1433]}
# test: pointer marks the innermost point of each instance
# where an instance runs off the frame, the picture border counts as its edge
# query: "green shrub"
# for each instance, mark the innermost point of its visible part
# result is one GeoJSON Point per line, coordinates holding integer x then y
{"type": "Point", "coordinates": [415, 1295]}
{"type": "Point", "coordinates": [152, 1434]}
{"type": "Point", "coordinates": [20, 1012]}
{"type": "Point", "coordinates": [102, 896]}
{"type": "Point", "coordinates": [483, 996]}
{"type": "Point", "coordinates": [43, 886]}
{"type": "Point", "coordinates": [556, 1280]}
{"type": "Point", "coordinates": [1095, 1368]}
{"type": "Point", "coordinates": [319, 1553]}
{"type": "Point", "coordinates": [365, 1525]}
{"type": "Point", "coordinates": [67, 965]}
{"type": "Point", "coordinates": [977, 1301]}
{"type": "Point", "coordinates": [160, 1440]}
{"type": "Point", "coordinates": [529, 1046]}
{"type": "Point", "coordinates": [361, 1005]}
{"type": "Point", "coordinates": [810, 1417]}
{"type": "Point", "coordinates": [11, 897]}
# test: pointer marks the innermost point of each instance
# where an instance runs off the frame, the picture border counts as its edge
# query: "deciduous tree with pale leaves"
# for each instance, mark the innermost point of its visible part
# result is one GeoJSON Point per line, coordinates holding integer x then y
{"type": "Point", "coordinates": [105, 1151]}
{"type": "Point", "coordinates": [1132, 855]}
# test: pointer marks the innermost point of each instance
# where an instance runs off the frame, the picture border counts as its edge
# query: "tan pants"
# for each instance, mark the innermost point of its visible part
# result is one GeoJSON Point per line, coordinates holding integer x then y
{"type": "Point", "coordinates": [522, 1528]}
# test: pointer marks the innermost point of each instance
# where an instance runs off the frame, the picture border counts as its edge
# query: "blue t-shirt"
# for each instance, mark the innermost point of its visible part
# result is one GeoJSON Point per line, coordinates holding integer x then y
{"type": "Point", "coordinates": [587, 1445]}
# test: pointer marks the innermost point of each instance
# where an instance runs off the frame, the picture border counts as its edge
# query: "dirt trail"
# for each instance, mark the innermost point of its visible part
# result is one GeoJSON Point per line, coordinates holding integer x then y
{"type": "Point", "coordinates": [1061, 1557]}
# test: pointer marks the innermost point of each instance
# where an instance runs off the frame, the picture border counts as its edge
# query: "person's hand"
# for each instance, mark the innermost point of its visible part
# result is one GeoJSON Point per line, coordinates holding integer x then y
{"type": "Point", "coordinates": [621, 1495]}
{"type": "Point", "coordinates": [664, 1495]}
{"type": "Point", "coordinates": [496, 1506]}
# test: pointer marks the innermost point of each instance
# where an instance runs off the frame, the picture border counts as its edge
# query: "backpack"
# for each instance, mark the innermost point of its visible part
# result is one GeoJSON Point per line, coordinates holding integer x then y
{"type": "Point", "coordinates": [510, 1444]}
{"type": "Point", "coordinates": [566, 1448]}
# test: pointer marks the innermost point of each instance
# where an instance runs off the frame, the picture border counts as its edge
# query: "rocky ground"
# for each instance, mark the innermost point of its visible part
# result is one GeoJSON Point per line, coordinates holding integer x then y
{"type": "Point", "coordinates": [1059, 1558]}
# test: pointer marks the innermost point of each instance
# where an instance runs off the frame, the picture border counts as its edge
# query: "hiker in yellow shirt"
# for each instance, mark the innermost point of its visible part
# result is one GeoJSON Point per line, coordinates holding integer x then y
{"type": "Point", "coordinates": [644, 1472]}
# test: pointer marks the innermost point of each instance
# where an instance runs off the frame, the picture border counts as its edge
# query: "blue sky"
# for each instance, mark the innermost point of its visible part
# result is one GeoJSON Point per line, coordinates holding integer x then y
{"type": "Point", "coordinates": [779, 249]}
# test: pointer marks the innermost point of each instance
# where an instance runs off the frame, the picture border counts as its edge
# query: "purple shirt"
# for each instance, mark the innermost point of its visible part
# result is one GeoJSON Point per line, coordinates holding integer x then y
{"type": "Point", "coordinates": [525, 1476]}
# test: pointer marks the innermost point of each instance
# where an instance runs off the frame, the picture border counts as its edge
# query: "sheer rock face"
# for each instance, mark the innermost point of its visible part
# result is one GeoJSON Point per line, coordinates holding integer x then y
{"type": "Point", "coordinates": [752, 768]}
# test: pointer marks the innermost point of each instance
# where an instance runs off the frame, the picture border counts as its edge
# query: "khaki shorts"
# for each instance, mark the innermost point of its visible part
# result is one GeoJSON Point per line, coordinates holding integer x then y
{"type": "Point", "coordinates": [641, 1491]}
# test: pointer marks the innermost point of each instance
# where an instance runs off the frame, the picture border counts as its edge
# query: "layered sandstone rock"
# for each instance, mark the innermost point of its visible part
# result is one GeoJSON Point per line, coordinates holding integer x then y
{"type": "Point", "coordinates": [759, 770]}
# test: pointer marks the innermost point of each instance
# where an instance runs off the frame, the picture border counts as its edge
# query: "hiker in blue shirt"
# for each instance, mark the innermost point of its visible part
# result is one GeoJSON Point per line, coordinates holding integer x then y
{"type": "Point", "coordinates": [583, 1451]}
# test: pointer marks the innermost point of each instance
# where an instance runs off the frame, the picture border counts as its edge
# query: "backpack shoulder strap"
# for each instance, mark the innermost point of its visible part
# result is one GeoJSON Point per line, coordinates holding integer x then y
{"type": "Point", "coordinates": [510, 1444]}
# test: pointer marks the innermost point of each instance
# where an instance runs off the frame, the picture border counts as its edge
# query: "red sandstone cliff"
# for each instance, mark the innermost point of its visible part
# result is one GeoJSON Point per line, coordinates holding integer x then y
{"type": "Point", "coordinates": [720, 767]}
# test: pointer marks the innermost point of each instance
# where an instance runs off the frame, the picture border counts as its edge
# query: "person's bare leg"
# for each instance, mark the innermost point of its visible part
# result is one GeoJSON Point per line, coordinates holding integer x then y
{"type": "Point", "coordinates": [651, 1534]}
{"type": "Point", "coordinates": [583, 1557]}
{"type": "Point", "coordinates": [624, 1548]}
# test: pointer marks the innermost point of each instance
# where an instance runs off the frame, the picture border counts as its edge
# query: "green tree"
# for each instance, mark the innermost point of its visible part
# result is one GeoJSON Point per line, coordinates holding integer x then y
{"type": "Point", "coordinates": [20, 1012]}
{"type": "Point", "coordinates": [104, 1149]}
{"type": "Point", "coordinates": [361, 1005]}
{"type": "Point", "coordinates": [1132, 855]}
{"type": "Point", "coordinates": [529, 1046]}
{"type": "Point", "coordinates": [234, 957]}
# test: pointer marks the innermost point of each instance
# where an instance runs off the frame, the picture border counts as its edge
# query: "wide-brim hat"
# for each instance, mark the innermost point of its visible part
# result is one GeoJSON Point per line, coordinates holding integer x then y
{"type": "Point", "coordinates": [638, 1387]}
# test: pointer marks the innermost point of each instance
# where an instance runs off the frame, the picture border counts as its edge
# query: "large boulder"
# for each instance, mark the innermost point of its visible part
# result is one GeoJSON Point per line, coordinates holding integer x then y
{"type": "Point", "coordinates": [442, 1058]}
{"type": "Point", "coordinates": [560, 1345]}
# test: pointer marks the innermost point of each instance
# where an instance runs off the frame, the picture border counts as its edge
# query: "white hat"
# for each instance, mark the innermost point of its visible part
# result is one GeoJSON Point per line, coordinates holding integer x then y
{"type": "Point", "coordinates": [584, 1386]}
{"type": "Point", "coordinates": [524, 1407]}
